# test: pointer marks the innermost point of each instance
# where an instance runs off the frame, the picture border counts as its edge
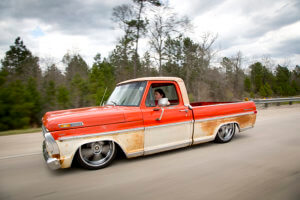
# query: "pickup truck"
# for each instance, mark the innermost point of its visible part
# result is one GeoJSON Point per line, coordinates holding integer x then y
{"type": "Point", "coordinates": [133, 122]}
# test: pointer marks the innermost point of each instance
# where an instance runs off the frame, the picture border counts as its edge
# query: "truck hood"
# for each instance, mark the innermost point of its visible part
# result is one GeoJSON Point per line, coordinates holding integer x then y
{"type": "Point", "coordinates": [83, 117]}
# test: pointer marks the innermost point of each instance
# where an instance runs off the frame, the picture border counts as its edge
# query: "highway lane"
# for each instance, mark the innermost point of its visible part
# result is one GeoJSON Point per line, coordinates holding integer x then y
{"type": "Point", "coordinates": [261, 163]}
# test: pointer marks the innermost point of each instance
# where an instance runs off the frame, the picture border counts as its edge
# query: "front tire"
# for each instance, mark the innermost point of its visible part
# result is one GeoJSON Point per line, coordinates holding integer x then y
{"type": "Point", "coordinates": [96, 155]}
{"type": "Point", "coordinates": [225, 133]}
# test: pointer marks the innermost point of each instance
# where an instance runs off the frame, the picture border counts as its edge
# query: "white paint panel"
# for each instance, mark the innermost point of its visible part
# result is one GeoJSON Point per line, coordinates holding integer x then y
{"type": "Point", "coordinates": [161, 138]}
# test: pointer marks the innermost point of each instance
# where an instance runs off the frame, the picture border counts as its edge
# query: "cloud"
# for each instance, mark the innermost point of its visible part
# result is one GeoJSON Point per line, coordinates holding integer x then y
{"type": "Point", "coordinates": [51, 28]}
{"type": "Point", "coordinates": [69, 16]}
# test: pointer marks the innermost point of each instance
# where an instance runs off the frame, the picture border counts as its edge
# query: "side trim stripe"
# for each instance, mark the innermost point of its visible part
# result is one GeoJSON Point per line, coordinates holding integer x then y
{"type": "Point", "coordinates": [99, 134]}
{"type": "Point", "coordinates": [173, 124]}
{"type": "Point", "coordinates": [222, 117]}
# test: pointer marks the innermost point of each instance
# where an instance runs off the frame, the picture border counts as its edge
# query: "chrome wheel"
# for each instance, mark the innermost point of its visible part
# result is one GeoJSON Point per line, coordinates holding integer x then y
{"type": "Point", "coordinates": [97, 155]}
{"type": "Point", "coordinates": [225, 133]}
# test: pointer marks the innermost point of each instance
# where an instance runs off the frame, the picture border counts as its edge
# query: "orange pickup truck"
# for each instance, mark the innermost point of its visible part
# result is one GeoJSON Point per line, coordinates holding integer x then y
{"type": "Point", "coordinates": [134, 122]}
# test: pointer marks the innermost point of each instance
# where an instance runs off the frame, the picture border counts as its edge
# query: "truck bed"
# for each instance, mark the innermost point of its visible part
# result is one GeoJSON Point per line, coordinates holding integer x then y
{"type": "Point", "coordinates": [243, 112]}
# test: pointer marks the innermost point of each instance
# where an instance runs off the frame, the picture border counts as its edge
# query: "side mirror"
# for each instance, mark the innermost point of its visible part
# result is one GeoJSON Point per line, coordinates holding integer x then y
{"type": "Point", "coordinates": [163, 102]}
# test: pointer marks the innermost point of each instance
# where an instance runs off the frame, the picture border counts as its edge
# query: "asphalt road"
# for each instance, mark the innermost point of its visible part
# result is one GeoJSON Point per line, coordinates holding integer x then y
{"type": "Point", "coordinates": [260, 163]}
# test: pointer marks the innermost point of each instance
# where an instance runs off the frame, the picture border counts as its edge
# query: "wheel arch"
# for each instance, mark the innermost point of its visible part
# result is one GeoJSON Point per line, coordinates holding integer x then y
{"type": "Point", "coordinates": [100, 139]}
{"type": "Point", "coordinates": [236, 124]}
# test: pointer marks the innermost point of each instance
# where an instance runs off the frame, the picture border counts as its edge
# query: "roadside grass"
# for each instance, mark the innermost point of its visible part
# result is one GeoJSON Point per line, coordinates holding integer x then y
{"type": "Point", "coordinates": [20, 131]}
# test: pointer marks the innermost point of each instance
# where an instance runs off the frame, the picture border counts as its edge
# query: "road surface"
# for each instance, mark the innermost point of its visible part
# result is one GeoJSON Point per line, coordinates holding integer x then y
{"type": "Point", "coordinates": [260, 163]}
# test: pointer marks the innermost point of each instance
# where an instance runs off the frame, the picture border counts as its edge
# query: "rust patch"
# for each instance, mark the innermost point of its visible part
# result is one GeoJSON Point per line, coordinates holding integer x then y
{"type": "Point", "coordinates": [246, 120]}
{"type": "Point", "coordinates": [210, 127]}
{"type": "Point", "coordinates": [131, 142]}
{"type": "Point", "coordinates": [61, 160]}
{"type": "Point", "coordinates": [55, 156]}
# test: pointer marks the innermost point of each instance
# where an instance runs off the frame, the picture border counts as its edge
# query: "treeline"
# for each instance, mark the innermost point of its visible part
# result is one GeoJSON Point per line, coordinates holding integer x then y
{"type": "Point", "coordinates": [263, 82]}
{"type": "Point", "coordinates": [27, 92]}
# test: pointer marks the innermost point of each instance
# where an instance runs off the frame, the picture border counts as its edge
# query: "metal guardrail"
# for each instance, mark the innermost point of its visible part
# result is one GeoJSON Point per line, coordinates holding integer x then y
{"type": "Point", "coordinates": [276, 100]}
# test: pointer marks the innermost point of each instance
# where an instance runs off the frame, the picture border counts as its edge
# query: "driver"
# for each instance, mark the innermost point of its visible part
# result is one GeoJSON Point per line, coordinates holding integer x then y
{"type": "Point", "coordinates": [158, 94]}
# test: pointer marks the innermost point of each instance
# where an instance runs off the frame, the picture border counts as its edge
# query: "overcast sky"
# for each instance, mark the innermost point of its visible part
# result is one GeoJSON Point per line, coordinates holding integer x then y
{"type": "Point", "coordinates": [50, 29]}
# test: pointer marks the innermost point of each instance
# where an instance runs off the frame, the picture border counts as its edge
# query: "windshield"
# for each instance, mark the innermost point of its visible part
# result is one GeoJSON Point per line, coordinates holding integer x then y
{"type": "Point", "coordinates": [129, 94]}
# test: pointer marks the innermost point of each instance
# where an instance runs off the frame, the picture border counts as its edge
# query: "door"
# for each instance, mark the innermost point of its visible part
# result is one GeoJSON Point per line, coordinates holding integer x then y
{"type": "Point", "coordinates": [168, 127]}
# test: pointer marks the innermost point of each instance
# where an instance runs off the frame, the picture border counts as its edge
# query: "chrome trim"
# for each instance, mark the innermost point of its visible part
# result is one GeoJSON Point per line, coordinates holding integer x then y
{"type": "Point", "coordinates": [227, 116]}
{"type": "Point", "coordinates": [44, 130]}
{"type": "Point", "coordinates": [244, 129]}
{"type": "Point", "coordinates": [51, 145]}
{"type": "Point", "coordinates": [166, 148]}
{"type": "Point", "coordinates": [99, 134]}
{"type": "Point", "coordinates": [172, 124]}
{"type": "Point", "coordinates": [53, 163]}
{"type": "Point", "coordinates": [161, 115]}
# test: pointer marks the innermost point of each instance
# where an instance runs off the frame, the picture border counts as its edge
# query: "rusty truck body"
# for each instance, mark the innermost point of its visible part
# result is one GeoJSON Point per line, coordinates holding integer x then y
{"type": "Point", "coordinates": [134, 122]}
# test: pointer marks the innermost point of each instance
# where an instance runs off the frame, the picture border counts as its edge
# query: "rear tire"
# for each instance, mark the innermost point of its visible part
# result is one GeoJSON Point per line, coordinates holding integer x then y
{"type": "Point", "coordinates": [225, 133]}
{"type": "Point", "coordinates": [96, 155]}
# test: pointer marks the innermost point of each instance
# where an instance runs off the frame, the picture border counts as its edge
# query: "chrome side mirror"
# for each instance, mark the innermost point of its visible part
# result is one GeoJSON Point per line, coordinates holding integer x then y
{"type": "Point", "coordinates": [163, 102]}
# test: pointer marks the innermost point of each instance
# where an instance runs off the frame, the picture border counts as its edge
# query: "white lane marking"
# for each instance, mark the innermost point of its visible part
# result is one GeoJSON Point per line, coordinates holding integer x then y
{"type": "Point", "coordinates": [20, 155]}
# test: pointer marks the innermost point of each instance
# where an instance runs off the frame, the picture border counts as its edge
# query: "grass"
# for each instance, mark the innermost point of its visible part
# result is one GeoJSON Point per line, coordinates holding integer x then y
{"type": "Point", "coordinates": [20, 131]}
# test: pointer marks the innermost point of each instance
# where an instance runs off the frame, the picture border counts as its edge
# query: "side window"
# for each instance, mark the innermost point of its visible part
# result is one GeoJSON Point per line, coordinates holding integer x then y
{"type": "Point", "coordinates": [150, 102]}
{"type": "Point", "coordinates": [167, 90]}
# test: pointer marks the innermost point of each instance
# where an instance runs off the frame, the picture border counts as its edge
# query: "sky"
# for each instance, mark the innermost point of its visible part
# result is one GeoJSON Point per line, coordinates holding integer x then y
{"type": "Point", "coordinates": [259, 29]}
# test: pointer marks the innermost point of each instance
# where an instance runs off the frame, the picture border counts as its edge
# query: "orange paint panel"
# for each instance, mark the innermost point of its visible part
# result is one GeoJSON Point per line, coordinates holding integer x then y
{"type": "Point", "coordinates": [97, 129]}
{"type": "Point", "coordinates": [210, 111]}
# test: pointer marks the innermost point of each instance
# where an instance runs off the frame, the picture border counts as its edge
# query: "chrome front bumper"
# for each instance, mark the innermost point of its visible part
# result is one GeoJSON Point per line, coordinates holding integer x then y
{"type": "Point", "coordinates": [53, 163]}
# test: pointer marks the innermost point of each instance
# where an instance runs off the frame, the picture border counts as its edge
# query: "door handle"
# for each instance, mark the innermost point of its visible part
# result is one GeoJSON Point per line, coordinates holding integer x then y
{"type": "Point", "coordinates": [162, 112]}
{"type": "Point", "coordinates": [185, 110]}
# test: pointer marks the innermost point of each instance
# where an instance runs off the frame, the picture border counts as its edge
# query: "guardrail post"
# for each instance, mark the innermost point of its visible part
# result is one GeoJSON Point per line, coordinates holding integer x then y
{"type": "Point", "coordinates": [290, 103]}
{"type": "Point", "coordinates": [266, 105]}
{"type": "Point", "coordinates": [278, 104]}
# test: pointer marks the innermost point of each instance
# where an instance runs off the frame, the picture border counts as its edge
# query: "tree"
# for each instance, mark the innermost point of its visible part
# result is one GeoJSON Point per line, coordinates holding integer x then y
{"type": "Point", "coordinates": [20, 78]}
{"type": "Point", "coordinates": [260, 75]}
{"type": "Point", "coordinates": [296, 79]}
{"type": "Point", "coordinates": [133, 23]}
{"type": "Point", "coordinates": [101, 80]}
{"type": "Point", "coordinates": [162, 26]}
{"type": "Point", "coordinates": [173, 52]}
{"type": "Point", "coordinates": [52, 78]}
{"type": "Point", "coordinates": [75, 66]}
{"type": "Point", "coordinates": [20, 63]}
{"type": "Point", "coordinates": [247, 84]}
{"type": "Point", "coordinates": [63, 97]}
{"type": "Point", "coordinates": [77, 74]}
{"type": "Point", "coordinates": [120, 58]}
{"type": "Point", "coordinates": [268, 90]}
{"type": "Point", "coordinates": [283, 80]}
